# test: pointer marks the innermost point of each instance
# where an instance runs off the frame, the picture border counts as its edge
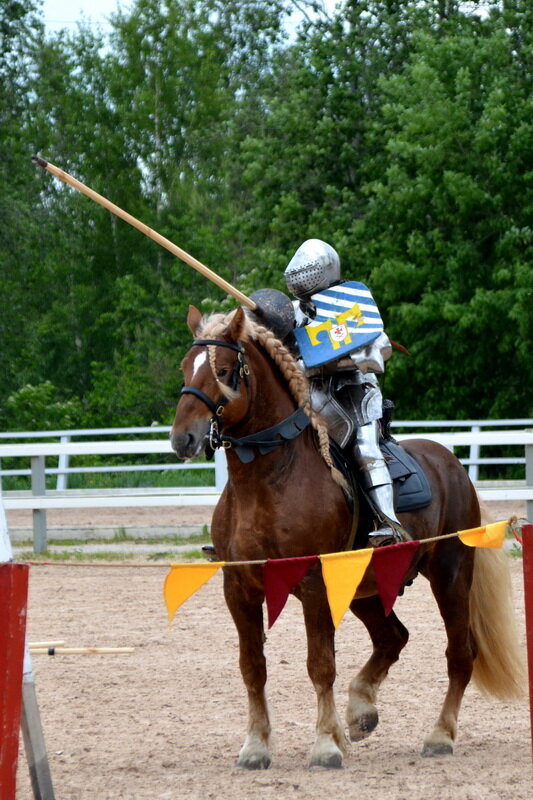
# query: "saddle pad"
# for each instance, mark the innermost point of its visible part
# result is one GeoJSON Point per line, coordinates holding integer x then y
{"type": "Point", "coordinates": [411, 487]}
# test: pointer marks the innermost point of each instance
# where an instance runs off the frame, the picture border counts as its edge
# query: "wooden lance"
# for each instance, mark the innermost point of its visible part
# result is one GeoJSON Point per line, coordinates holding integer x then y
{"type": "Point", "coordinates": [161, 240]}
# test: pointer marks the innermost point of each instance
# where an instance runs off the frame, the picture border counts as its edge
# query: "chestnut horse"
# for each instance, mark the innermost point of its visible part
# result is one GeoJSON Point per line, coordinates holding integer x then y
{"type": "Point", "coordinates": [285, 501]}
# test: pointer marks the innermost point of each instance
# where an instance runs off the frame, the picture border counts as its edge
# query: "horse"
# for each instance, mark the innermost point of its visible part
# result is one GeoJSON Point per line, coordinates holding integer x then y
{"type": "Point", "coordinates": [284, 498]}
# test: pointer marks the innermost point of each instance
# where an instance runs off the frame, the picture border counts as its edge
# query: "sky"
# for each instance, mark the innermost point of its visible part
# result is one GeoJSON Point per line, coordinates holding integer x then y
{"type": "Point", "coordinates": [66, 13]}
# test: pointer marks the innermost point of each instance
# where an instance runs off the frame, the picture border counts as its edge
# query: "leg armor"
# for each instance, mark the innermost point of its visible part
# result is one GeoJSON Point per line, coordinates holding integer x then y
{"type": "Point", "coordinates": [376, 479]}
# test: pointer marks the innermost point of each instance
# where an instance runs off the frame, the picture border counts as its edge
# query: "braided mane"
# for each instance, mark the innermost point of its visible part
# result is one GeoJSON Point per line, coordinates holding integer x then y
{"type": "Point", "coordinates": [298, 385]}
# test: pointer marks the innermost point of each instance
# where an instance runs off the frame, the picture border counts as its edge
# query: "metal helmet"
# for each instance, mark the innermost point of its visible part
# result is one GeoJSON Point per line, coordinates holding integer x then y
{"type": "Point", "coordinates": [314, 266]}
{"type": "Point", "coordinates": [274, 310]}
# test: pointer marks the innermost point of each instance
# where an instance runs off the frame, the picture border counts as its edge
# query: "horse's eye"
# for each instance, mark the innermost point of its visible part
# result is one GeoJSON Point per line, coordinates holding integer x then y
{"type": "Point", "coordinates": [221, 373]}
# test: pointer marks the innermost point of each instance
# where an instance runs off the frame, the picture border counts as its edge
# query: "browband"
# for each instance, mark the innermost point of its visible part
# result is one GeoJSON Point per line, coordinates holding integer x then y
{"type": "Point", "coordinates": [220, 343]}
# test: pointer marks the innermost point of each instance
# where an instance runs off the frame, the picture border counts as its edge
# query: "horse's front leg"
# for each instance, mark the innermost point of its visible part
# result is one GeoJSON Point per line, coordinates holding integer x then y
{"type": "Point", "coordinates": [248, 617]}
{"type": "Point", "coordinates": [330, 744]}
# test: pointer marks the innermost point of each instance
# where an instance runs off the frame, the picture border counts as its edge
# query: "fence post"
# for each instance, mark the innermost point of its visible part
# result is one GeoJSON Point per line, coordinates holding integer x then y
{"type": "Point", "coordinates": [529, 479]}
{"type": "Point", "coordinates": [13, 602]}
{"type": "Point", "coordinates": [18, 701]}
{"type": "Point", "coordinates": [473, 469]}
{"type": "Point", "coordinates": [38, 489]}
{"type": "Point", "coordinates": [527, 561]}
{"type": "Point", "coordinates": [221, 470]}
{"type": "Point", "coordinates": [63, 464]}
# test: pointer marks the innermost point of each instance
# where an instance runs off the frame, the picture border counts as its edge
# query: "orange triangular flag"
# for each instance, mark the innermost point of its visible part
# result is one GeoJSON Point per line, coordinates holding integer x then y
{"type": "Point", "coordinates": [487, 536]}
{"type": "Point", "coordinates": [342, 573]}
{"type": "Point", "coordinates": [184, 580]}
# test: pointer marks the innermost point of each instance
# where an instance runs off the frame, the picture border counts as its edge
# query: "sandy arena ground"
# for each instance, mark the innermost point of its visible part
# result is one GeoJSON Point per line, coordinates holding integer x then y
{"type": "Point", "coordinates": [168, 721]}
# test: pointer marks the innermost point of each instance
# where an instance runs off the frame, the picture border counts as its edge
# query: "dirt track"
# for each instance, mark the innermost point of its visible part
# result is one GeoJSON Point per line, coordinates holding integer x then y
{"type": "Point", "coordinates": [168, 721]}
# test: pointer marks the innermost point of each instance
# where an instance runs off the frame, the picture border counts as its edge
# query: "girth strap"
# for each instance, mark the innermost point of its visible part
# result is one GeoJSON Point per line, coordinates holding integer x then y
{"type": "Point", "coordinates": [268, 439]}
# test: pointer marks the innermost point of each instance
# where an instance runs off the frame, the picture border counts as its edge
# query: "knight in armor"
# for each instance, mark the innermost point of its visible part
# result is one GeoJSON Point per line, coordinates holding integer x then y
{"type": "Point", "coordinates": [345, 389]}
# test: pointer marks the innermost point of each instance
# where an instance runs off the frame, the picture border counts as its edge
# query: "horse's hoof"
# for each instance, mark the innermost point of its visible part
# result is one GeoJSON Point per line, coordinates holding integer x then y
{"type": "Point", "coordinates": [363, 726]}
{"type": "Point", "coordinates": [326, 753]}
{"type": "Point", "coordinates": [254, 753]}
{"type": "Point", "coordinates": [437, 749]}
{"type": "Point", "coordinates": [329, 761]}
{"type": "Point", "coordinates": [255, 762]}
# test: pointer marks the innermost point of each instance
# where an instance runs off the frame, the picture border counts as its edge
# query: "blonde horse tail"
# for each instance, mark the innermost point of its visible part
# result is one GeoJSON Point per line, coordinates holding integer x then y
{"type": "Point", "coordinates": [499, 667]}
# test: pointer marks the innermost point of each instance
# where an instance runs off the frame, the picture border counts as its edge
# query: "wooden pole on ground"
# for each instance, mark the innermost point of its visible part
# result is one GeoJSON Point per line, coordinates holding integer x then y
{"type": "Point", "coordinates": [527, 561]}
{"type": "Point", "coordinates": [32, 734]}
{"type": "Point", "coordinates": [80, 651]}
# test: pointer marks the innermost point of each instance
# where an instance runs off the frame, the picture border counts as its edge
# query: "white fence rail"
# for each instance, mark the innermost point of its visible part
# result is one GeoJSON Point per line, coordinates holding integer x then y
{"type": "Point", "coordinates": [38, 500]}
{"type": "Point", "coordinates": [63, 469]}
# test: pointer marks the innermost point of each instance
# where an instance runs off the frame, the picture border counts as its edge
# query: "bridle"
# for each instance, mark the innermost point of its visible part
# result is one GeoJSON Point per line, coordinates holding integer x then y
{"type": "Point", "coordinates": [264, 441]}
{"type": "Point", "coordinates": [239, 373]}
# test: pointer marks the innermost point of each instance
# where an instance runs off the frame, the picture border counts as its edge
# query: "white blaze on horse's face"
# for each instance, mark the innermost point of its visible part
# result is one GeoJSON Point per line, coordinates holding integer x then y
{"type": "Point", "coordinates": [200, 359]}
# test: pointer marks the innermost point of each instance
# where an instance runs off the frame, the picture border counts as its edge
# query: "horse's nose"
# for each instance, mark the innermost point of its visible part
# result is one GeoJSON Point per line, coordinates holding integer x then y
{"type": "Point", "coordinates": [183, 444]}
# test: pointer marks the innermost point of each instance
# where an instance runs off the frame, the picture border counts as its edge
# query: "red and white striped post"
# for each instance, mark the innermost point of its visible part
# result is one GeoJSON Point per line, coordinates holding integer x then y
{"type": "Point", "coordinates": [13, 602]}
{"type": "Point", "coordinates": [527, 560]}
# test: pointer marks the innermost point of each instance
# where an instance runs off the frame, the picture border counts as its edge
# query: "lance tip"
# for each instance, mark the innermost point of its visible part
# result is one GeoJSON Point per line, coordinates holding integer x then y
{"type": "Point", "coordinates": [38, 160]}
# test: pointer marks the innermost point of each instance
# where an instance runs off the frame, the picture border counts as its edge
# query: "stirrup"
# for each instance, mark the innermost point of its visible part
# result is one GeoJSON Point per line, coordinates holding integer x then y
{"type": "Point", "coordinates": [386, 535]}
{"type": "Point", "coordinates": [209, 552]}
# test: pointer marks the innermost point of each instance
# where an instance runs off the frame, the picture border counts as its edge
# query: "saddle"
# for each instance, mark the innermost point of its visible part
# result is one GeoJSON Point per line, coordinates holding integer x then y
{"type": "Point", "coordinates": [410, 484]}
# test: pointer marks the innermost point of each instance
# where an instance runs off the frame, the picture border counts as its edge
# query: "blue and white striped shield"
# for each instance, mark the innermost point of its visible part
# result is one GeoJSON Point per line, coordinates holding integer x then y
{"type": "Point", "coordinates": [347, 318]}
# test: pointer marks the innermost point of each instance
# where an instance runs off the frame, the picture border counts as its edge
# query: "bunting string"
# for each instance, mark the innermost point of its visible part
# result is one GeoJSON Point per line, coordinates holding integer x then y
{"type": "Point", "coordinates": [342, 572]}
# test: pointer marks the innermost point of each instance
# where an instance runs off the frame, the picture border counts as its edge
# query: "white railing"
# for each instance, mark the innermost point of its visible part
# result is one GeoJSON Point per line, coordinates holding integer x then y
{"type": "Point", "coordinates": [39, 500]}
{"type": "Point", "coordinates": [63, 469]}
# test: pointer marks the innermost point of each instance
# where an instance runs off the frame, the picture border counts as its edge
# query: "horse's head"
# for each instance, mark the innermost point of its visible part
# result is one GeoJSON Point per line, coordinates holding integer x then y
{"type": "Point", "coordinates": [215, 378]}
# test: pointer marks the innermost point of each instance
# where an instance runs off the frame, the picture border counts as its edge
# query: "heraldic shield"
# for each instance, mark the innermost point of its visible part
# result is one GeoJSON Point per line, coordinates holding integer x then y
{"type": "Point", "coordinates": [347, 318]}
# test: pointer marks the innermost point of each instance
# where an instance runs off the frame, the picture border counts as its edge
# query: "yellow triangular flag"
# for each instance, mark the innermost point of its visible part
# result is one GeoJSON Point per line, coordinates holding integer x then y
{"type": "Point", "coordinates": [487, 536]}
{"type": "Point", "coordinates": [183, 580]}
{"type": "Point", "coordinates": [342, 573]}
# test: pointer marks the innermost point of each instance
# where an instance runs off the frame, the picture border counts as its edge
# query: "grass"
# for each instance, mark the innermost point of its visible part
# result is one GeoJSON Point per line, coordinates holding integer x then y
{"type": "Point", "coordinates": [72, 555]}
{"type": "Point", "coordinates": [121, 537]}
{"type": "Point", "coordinates": [515, 551]}
{"type": "Point", "coordinates": [78, 556]}
{"type": "Point", "coordinates": [128, 553]}
{"type": "Point", "coordinates": [188, 555]}
{"type": "Point", "coordinates": [113, 480]}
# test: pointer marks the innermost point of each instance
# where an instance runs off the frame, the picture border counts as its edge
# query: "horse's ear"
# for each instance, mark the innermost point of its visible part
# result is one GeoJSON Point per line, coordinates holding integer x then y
{"type": "Point", "coordinates": [194, 318]}
{"type": "Point", "coordinates": [236, 326]}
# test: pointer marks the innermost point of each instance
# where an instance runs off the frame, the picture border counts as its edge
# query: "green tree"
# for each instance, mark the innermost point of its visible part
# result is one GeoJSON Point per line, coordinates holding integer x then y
{"type": "Point", "coordinates": [400, 132]}
{"type": "Point", "coordinates": [20, 231]}
{"type": "Point", "coordinates": [446, 226]}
